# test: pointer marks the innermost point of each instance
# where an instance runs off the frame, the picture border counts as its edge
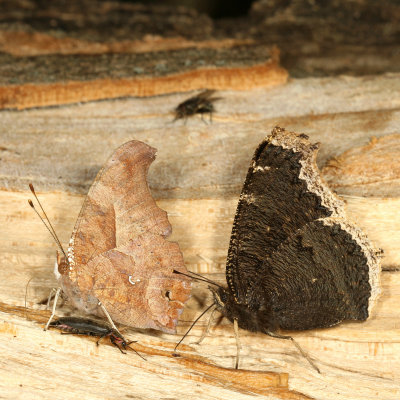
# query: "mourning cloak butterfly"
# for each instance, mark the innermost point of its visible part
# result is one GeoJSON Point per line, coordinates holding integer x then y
{"type": "Point", "coordinates": [118, 256]}
{"type": "Point", "coordinates": [202, 103]}
{"type": "Point", "coordinates": [294, 261]}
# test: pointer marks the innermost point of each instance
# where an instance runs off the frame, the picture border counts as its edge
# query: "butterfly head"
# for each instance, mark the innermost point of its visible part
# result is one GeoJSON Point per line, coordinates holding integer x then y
{"type": "Point", "coordinates": [251, 317]}
{"type": "Point", "coordinates": [221, 297]}
{"type": "Point", "coordinates": [61, 266]}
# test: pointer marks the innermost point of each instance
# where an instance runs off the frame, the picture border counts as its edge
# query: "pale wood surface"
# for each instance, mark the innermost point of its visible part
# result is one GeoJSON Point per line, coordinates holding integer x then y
{"type": "Point", "coordinates": [197, 178]}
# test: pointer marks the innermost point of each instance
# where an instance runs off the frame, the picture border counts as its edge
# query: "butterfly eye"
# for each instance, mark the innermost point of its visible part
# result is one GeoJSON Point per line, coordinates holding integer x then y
{"type": "Point", "coordinates": [168, 295]}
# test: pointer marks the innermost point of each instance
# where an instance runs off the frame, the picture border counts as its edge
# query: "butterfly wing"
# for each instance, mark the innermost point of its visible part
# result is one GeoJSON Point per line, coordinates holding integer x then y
{"type": "Point", "coordinates": [283, 193]}
{"type": "Point", "coordinates": [118, 253]}
{"type": "Point", "coordinates": [319, 276]}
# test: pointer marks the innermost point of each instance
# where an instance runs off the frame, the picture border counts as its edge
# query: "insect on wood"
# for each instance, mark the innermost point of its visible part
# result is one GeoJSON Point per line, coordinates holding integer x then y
{"type": "Point", "coordinates": [202, 104]}
{"type": "Point", "coordinates": [88, 327]}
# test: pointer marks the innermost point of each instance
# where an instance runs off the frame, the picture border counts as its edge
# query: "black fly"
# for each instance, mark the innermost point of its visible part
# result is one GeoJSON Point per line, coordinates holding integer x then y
{"type": "Point", "coordinates": [84, 326]}
{"type": "Point", "coordinates": [202, 104]}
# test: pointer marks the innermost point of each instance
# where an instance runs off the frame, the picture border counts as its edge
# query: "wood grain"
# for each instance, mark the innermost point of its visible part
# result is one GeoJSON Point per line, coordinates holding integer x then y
{"type": "Point", "coordinates": [33, 95]}
{"type": "Point", "coordinates": [373, 168]}
{"type": "Point", "coordinates": [316, 39]}
{"type": "Point", "coordinates": [197, 178]}
{"type": "Point", "coordinates": [114, 72]}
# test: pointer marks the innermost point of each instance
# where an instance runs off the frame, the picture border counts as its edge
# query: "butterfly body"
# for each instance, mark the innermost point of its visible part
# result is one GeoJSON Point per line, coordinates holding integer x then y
{"type": "Point", "coordinates": [118, 253]}
{"type": "Point", "coordinates": [294, 261]}
{"type": "Point", "coordinates": [253, 320]}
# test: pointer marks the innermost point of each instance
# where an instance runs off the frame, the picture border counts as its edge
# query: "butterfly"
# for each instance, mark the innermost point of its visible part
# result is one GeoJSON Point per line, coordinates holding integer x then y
{"type": "Point", "coordinates": [294, 261]}
{"type": "Point", "coordinates": [118, 260]}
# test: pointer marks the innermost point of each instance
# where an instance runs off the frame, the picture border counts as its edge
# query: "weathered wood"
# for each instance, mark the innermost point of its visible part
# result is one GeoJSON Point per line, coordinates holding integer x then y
{"type": "Point", "coordinates": [87, 59]}
{"type": "Point", "coordinates": [316, 39]}
{"type": "Point", "coordinates": [48, 145]}
{"type": "Point", "coordinates": [54, 80]}
{"type": "Point", "coordinates": [54, 53]}
{"type": "Point", "coordinates": [185, 367]}
{"type": "Point", "coordinates": [374, 169]}
{"type": "Point", "coordinates": [61, 53]}
{"type": "Point", "coordinates": [196, 177]}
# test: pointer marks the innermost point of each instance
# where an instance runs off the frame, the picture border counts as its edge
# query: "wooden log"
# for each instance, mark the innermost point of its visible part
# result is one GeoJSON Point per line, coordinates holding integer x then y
{"type": "Point", "coordinates": [89, 60]}
{"type": "Point", "coordinates": [55, 54]}
{"type": "Point", "coordinates": [40, 81]}
{"type": "Point", "coordinates": [316, 39]}
{"type": "Point", "coordinates": [373, 168]}
{"type": "Point", "coordinates": [91, 50]}
{"type": "Point", "coordinates": [197, 178]}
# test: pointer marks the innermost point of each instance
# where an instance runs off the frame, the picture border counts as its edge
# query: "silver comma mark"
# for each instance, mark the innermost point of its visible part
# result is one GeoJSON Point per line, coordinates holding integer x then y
{"type": "Point", "coordinates": [131, 280]}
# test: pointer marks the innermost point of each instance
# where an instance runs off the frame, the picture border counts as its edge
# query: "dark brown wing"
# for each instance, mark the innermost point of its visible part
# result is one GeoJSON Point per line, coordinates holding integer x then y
{"type": "Point", "coordinates": [282, 193]}
{"type": "Point", "coordinates": [118, 252]}
{"type": "Point", "coordinates": [318, 277]}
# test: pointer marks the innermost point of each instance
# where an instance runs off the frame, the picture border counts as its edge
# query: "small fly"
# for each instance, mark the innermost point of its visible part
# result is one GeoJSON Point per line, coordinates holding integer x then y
{"type": "Point", "coordinates": [202, 104]}
{"type": "Point", "coordinates": [83, 326]}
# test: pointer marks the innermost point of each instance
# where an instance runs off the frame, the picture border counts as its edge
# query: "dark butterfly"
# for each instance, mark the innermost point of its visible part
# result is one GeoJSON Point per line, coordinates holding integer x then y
{"type": "Point", "coordinates": [202, 103]}
{"type": "Point", "coordinates": [294, 261]}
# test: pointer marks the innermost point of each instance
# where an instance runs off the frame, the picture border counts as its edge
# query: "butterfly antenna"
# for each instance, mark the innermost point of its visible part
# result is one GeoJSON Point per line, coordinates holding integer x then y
{"type": "Point", "coordinates": [305, 355]}
{"type": "Point", "coordinates": [193, 324]}
{"type": "Point", "coordinates": [198, 277]}
{"type": "Point", "coordinates": [48, 227]}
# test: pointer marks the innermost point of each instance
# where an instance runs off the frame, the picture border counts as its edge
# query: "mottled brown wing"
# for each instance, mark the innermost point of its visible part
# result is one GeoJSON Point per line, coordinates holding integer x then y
{"type": "Point", "coordinates": [118, 253]}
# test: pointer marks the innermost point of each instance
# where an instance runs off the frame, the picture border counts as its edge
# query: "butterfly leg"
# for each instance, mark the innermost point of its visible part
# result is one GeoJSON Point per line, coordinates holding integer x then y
{"type": "Point", "coordinates": [205, 333]}
{"type": "Point", "coordinates": [53, 311]}
{"type": "Point", "coordinates": [303, 353]}
{"type": "Point", "coordinates": [238, 346]}
{"type": "Point", "coordinates": [108, 317]}
{"type": "Point", "coordinates": [51, 296]}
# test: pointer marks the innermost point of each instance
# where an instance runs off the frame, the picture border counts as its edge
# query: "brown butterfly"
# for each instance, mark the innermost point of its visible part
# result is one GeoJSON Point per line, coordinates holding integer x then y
{"type": "Point", "coordinates": [118, 258]}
